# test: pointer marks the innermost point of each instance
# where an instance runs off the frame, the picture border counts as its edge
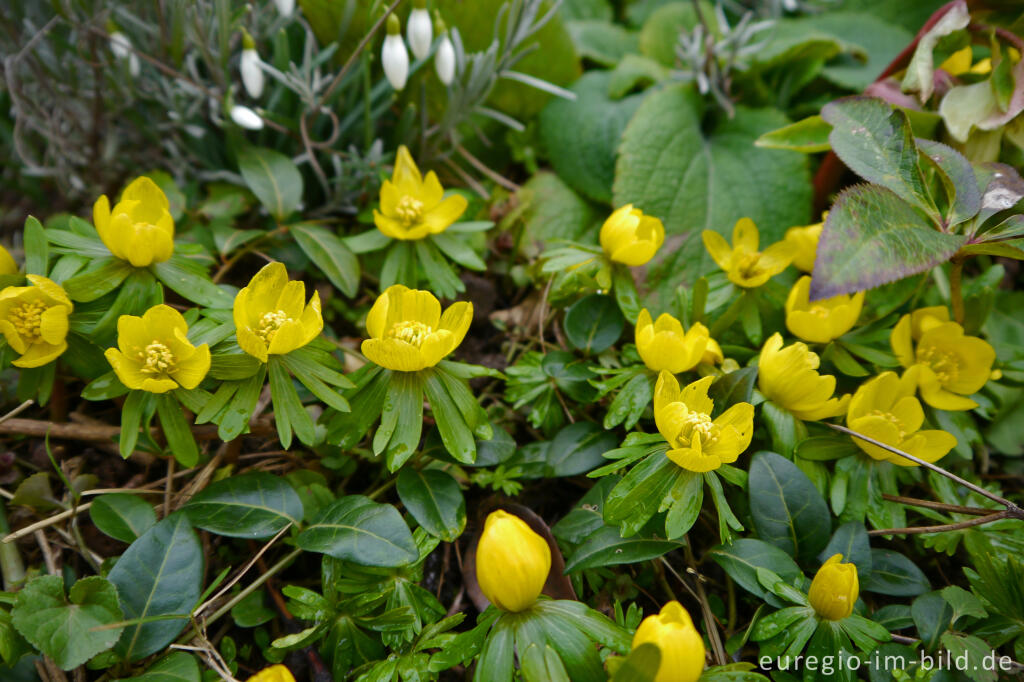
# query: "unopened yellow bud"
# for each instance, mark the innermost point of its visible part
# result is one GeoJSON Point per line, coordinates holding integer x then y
{"type": "Point", "coordinates": [275, 673]}
{"type": "Point", "coordinates": [682, 649]}
{"type": "Point", "coordinates": [834, 589]}
{"type": "Point", "coordinates": [631, 237]}
{"type": "Point", "coordinates": [512, 562]}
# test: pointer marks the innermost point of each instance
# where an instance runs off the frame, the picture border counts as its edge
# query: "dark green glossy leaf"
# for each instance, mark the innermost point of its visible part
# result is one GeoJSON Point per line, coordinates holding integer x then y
{"type": "Point", "coordinates": [273, 178]}
{"type": "Point", "coordinates": [254, 505]}
{"type": "Point", "coordinates": [122, 516]}
{"type": "Point", "coordinates": [357, 529]}
{"type": "Point", "coordinates": [435, 500]}
{"type": "Point", "coordinates": [788, 510]}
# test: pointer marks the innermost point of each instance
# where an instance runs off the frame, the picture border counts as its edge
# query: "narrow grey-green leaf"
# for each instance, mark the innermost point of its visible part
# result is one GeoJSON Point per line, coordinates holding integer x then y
{"type": "Point", "coordinates": [330, 254]}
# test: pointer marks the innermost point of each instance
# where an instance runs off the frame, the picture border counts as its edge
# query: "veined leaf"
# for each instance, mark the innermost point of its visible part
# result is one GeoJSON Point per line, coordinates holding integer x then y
{"type": "Point", "coordinates": [253, 505]}
{"type": "Point", "coordinates": [357, 529]}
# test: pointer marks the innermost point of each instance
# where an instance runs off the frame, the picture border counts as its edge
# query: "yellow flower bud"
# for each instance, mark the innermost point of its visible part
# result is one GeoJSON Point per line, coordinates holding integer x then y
{"type": "Point", "coordinates": [409, 332]}
{"type": "Point", "coordinates": [630, 237]}
{"type": "Point", "coordinates": [804, 241]}
{"type": "Point", "coordinates": [820, 321]}
{"type": "Point", "coordinates": [834, 589]}
{"type": "Point", "coordinates": [275, 673]}
{"type": "Point", "coordinates": [7, 264]}
{"type": "Point", "coordinates": [512, 562]}
{"type": "Point", "coordinates": [272, 316]}
{"type": "Point", "coordinates": [664, 345]}
{"type": "Point", "coordinates": [153, 354]}
{"type": "Point", "coordinates": [789, 378]}
{"type": "Point", "coordinates": [34, 320]}
{"type": "Point", "coordinates": [682, 649]}
{"type": "Point", "coordinates": [742, 262]}
{"type": "Point", "coordinates": [140, 228]}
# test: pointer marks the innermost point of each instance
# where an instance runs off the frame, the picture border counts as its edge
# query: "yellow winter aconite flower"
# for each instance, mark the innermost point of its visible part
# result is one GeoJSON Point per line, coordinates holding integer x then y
{"type": "Point", "coordinates": [834, 589]}
{"type": "Point", "coordinates": [743, 263]}
{"type": "Point", "coordinates": [512, 562]}
{"type": "Point", "coordinates": [696, 442]}
{"type": "Point", "coordinates": [824, 320]}
{"type": "Point", "coordinates": [663, 344]}
{"type": "Point", "coordinates": [886, 410]}
{"type": "Point", "coordinates": [713, 354]}
{"type": "Point", "coordinates": [139, 229]}
{"type": "Point", "coordinates": [411, 206]}
{"type": "Point", "coordinates": [275, 673]}
{"type": "Point", "coordinates": [408, 332]}
{"type": "Point", "coordinates": [682, 648]}
{"type": "Point", "coordinates": [944, 362]}
{"type": "Point", "coordinates": [7, 264]}
{"type": "Point", "coordinates": [804, 241]}
{"type": "Point", "coordinates": [34, 320]}
{"type": "Point", "coordinates": [272, 316]}
{"type": "Point", "coordinates": [153, 353]}
{"type": "Point", "coordinates": [630, 237]}
{"type": "Point", "coordinates": [789, 378]}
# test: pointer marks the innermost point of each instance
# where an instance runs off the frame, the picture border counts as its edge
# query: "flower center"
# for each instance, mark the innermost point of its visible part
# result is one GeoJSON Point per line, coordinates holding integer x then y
{"type": "Point", "coordinates": [943, 363]}
{"type": "Point", "coordinates": [698, 425]}
{"type": "Point", "coordinates": [412, 332]}
{"type": "Point", "coordinates": [27, 319]}
{"type": "Point", "coordinates": [891, 418]}
{"type": "Point", "coordinates": [409, 210]}
{"type": "Point", "coordinates": [818, 311]}
{"type": "Point", "coordinates": [747, 266]}
{"type": "Point", "coordinates": [270, 323]}
{"type": "Point", "coordinates": [156, 359]}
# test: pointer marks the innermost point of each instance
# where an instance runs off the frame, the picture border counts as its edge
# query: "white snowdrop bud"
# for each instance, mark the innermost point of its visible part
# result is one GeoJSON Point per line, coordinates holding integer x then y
{"type": "Point", "coordinates": [121, 47]}
{"type": "Point", "coordinates": [444, 60]}
{"type": "Point", "coordinates": [394, 58]}
{"type": "Point", "coordinates": [246, 117]}
{"type": "Point", "coordinates": [419, 32]}
{"type": "Point", "coordinates": [249, 66]}
{"type": "Point", "coordinates": [285, 7]}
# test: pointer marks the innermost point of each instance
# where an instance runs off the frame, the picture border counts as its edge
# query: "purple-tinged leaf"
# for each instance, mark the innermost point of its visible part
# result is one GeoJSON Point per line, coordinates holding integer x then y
{"type": "Point", "coordinates": [958, 179]}
{"type": "Point", "coordinates": [872, 237]}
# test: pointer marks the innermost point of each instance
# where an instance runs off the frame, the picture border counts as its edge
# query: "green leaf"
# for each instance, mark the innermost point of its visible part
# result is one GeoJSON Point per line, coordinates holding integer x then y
{"type": "Point", "coordinates": [577, 449]}
{"type": "Point", "coordinates": [785, 429]}
{"type": "Point", "coordinates": [582, 135]}
{"type": "Point", "coordinates": [875, 141]}
{"type": "Point", "coordinates": [330, 254]}
{"type": "Point", "coordinates": [457, 249]}
{"type": "Point", "coordinates": [932, 616]}
{"type": "Point", "coordinates": [734, 387]}
{"type": "Point", "coordinates": [177, 666]}
{"type": "Point", "coordinates": [958, 179]}
{"type": "Point", "coordinates": [697, 171]}
{"type": "Point", "coordinates": [435, 500]}
{"type": "Point", "coordinates": [851, 540]}
{"type": "Point", "coordinates": [177, 431]}
{"type": "Point", "coordinates": [456, 433]}
{"type": "Point", "coordinates": [894, 574]}
{"type": "Point", "coordinates": [254, 505]}
{"type": "Point", "coordinates": [605, 547]}
{"type": "Point", "coordinates": [122, 516]}
{"type": "Point", "coordinates": [809, 136]}
{"type": "Point", "coordinates": [288, 410]}
{"type": "Point", "coordinates": [872, 237]}
{"type": "Point", "coordinates": [496, 662]}
{"type": "Point", "coordinates": [357, 529]}
{"type": "Point", "coordinates": [661, 28]}
{"type": "Point", "coordinates": [638, 496]}
{"type": "Point", "coordinates": [37, 252]}
{"type": "Point", "coordinates": [104, 387]}
{"type": "Point", "coordinates": [235, 420]}
{"type": "Point", "coordinates": [273, 178]}
{"type": "Point", "coordinates": [440, 275]}
{"type": "Point", "coordinates": [629, 403]}
{"type": "Point", "coordinates": [160, 574]}
{"type": "Point", "coordinates": [788, 510]}
{"type": "Point", "coordinates": [601, 41]}
{"type": "Point", "coordinates": [744, 556]}
{"type": "Point", "coordinates": [182, 278]}
{"type": "Point", "coordinates": [550, 209]}
{"type": "Point", "coordinates": [594, 323]}
{"type": "Point", "coordinates": [542, 665]}
{"type": "Point", "coordinates": [401, 420]}
{"type": "Point", "coordinates": [687, 499]}
{"type": "Point", "coordinates": [63, 627]}
{"type": "Point", "coordinates": [137, 408]}
{"type": "Point", "coordinates": [641, 665]}
{"type": "Point", "coordinates": [103, 276]}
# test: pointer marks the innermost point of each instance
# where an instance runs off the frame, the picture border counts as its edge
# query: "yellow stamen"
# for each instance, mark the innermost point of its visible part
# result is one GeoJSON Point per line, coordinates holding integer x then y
{"type": "Point", "coordinates": [27, 319]}
{"type": "Point", "coordinates": [409, 209]}
{"type": "Point", "coordinates": [943, 363]}
{"type": "Point", "coordinates": [818, 311]}
{"type": "Point", "coordinates": [698, 424]}
{"type": "Point", "coordinates": [748, 264]}
{"type": "Point", "coordinates": [891, 418]}
{"type": "Point", "coordinates": [157, 359]}
{"type": "Point", "coordinates": [270, 323]}
{"type": "Point", "coordinates": [412, 332]}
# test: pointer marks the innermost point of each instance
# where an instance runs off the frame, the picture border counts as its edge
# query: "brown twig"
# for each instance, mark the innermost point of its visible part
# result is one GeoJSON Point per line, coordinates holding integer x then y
{"type": "Point", "coordinates": [938, 506]}
{"type": "Point", "coordinates": [960, 525]}
{"type": "Point", "coordinates": [89, 432]}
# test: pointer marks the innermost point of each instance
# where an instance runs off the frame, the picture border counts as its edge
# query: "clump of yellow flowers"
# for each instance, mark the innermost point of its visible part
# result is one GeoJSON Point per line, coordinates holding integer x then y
{"type": "Point", "coordinates": [696, 441]}
{"type": "Point", "coordinates": [682, 649]}
{"type": "Point", "coordinates": [885, 409]}
{"type": "Point", "coordinates": [272, 316]}
{"type": "Point", "coordinates": [154, 354]}
{"type": "Point", "coordinates": [413, 207]}
{"type": "Point", "coordinates": [630, 237]}
{"type": "Point", "coordinates": [34, 320]}
{"type": "Point", "coordinates": [789, 378]}
{"type": "Point", "coordinates": [835, 589]}
{"type": "Point", "coordinates": [820, 321]}
{"type": "Point", "coordinates": [512, 562]}
{"type": "Point", "coordinates": [742, 262]}
{"type": "Point", "coordinates": [408, 331]}
{"type": "Point", "coordinates": [944, 362]}
{"type": "Point", "coordinates": [139, 229]}
{"type": "Point", "coordinates": [664, 345]}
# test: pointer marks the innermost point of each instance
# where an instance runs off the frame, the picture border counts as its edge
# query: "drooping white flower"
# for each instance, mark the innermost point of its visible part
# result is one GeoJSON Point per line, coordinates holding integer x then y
{"type": "Point", "coordinates": [246, 117]}
{"type": "Point", "coordinates": [419, 32]}
{"type": "Point", "coordinates": [121, 46]}
{"type": "Point", "coordinates": [394, 58]}
{"type": "Point", "coordinates": [444, 60]}
{"type": "Point", "coordinates": [249, 66]}
{"type": "Point", "coordinates": [285, 7]}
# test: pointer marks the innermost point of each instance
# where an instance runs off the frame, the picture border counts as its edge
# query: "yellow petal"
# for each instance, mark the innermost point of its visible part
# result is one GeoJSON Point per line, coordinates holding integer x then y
{"type": "Point", "coordinates": [163, 321]}
{"type": "Point", "coordinates": [52, 292]}
{"type": "Point", "coordinates": [719, 249]}
{"type": "Point", "coordinates": [101, 218]}
{"type": "Point", "coordinates": [378, 319]}
{"type": "Point", "coordinates": [39, 354]}
{"type": "Point", "coordinates": [415, 305]}
{"type": "Point", "coordinates": [931, 446]}
{"type": "Point", "coordinates": [406, 174]}
{"type": "Point", "coordinates": [287, 338]}
{"type": "Point", "coordinates": [312, 319]}
{"type": "Point", "coordinates": [393, 354]}
{"type": "Point", "coordinates": [291, 299]}
{"type": "Point", "coordinates": [389, 226]}
{"type": "Point", "coordinates": [879, 428]}
{"type": "Point", "coordinates": [457, 319]}
{"type": "Point", "coordinates": [438, 219]}
{"type": "Point", "coordinates": [432, 192]}
{"type": "Point", "coordinates": [53, 325]}
{"type": "Point", "coordinates": [900, 340]}
{"type": "Point", "coordinates": [745, 236]}
{"type": "Point", "coordinates": [158, 385]}
{"type": "Point", "coordinates": [251, 344]}
{"type": "Point", "coordinates": [776, 258]}
{"type": "Point", "coordinates": [436, 346]}
{"type": "Point", "coordinates": [147, 192]}
{"type": "Point", "coordinates": [264, 290]}
{"type": "Point", "coordinates": [695, 396]}
{"type": "Point", "coordinates": [7, 264]}
{"type": "Point", "coordinates": [126, 369]}
{"type": "Point", "coordinates": [13, 338]}
{"type": "Point", "coordinates": [666, 391]}
{"type": "Point", "coordinates": [694, 459]}
{"type": "Point", "coordinates": [635, 253]}
{"type": "Point", "coordinates": [190, 373]}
